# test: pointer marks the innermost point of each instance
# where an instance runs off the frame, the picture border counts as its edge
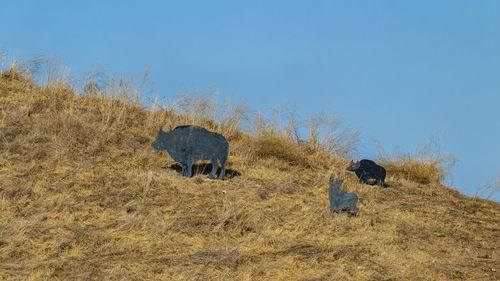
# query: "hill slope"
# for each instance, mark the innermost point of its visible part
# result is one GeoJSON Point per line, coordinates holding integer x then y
{"type": "Point", "coordinates": [83, 196]}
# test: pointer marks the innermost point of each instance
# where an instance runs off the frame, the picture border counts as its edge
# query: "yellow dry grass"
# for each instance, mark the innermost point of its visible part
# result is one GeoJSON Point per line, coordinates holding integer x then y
{"type": "Point", "coordinates": [83, 196]}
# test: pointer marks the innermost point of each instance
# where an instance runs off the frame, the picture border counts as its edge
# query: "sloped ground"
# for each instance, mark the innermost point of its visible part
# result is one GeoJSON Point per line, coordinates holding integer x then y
{"type": "Point", "coordinates": [83, 196]}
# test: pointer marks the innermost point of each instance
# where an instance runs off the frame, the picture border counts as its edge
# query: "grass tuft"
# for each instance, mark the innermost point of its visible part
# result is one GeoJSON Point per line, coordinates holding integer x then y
{"type": "Point", "coordinates": [280, 148]}
{"type": "Point", "coordinates": [416, 170]}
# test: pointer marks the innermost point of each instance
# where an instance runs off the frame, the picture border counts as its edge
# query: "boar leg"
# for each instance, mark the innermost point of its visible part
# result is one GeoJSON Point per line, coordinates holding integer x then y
{"type": "Point", "coordinates": [364, 179]}
{"type": "Point", "coordinates": [189, 168]}
{"type": "Point", "coordinates": [223, 170]}
{"type": "Point", "coordinates": [215, 165]}
{"type": "Point", "coordinates": [184, 169]}
{"type": "Point", "coordinates": [380, 182]}
{"type": "Point", "coordinates": [353, 210]}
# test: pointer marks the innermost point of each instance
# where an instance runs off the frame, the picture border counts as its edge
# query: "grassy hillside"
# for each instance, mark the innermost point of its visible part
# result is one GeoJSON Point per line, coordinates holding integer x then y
{"type": "Point", "coordinates": [83, 196]}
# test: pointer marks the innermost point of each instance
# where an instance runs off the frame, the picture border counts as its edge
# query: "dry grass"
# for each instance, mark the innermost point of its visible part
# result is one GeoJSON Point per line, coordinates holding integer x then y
{"type": "Point", "coordinates": [487, 190]}
{"type": "Point", "coordinates": [425, 166]}
{"type": "Point", "coordinates": [83, 196]}
{"type": "Point", "coordinates": [415, 169]}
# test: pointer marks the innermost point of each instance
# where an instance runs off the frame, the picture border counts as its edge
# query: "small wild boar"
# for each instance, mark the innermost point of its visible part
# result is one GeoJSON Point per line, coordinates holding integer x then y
{"type": "Point", "coordinates": [367, 169]}
{"type": "Point", "coordinates": [188, 144]}
{"type": "Point", "coordinates": [340, 199]}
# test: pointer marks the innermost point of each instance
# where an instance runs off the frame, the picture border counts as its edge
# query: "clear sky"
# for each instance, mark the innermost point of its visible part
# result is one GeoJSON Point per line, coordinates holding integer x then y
{"type": "Point", "coordinates": [399, 71]}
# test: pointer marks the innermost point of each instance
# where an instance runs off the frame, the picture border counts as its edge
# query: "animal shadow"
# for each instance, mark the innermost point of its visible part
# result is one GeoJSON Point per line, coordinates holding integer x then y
{"type": "Point", "coordinates": [374, 182]}
{"type": "Point", "coordinates": [204, 169]}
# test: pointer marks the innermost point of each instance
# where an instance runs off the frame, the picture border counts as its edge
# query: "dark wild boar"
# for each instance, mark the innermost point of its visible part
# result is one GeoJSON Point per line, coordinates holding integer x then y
{"type": "Point", "coordinates": [339, 199]}
{"type": "Point", "coordinates": [188, 144]}
{"type": "Point", "coordinates": [367, 169]}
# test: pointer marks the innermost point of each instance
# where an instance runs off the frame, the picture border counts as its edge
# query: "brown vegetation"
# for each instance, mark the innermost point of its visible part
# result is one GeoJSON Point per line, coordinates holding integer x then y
{"type": "Point", "coordinates": [83, 196]}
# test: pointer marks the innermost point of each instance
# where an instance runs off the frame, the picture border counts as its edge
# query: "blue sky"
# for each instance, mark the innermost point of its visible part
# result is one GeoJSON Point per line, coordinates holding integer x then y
{"type": "Point", "coordinates": [399, 71]}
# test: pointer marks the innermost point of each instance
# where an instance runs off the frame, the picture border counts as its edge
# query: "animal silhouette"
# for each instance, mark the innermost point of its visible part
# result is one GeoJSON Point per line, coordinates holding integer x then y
{"type": "Point", "coordinates": [367, 169]}
{"type": "Point", "coordinates": [188, 144]}
{"type": "Point", "coordinates": [340, 199]}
